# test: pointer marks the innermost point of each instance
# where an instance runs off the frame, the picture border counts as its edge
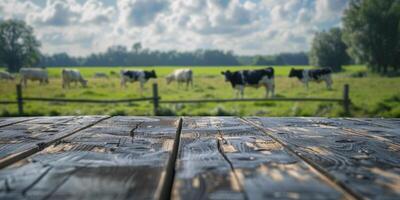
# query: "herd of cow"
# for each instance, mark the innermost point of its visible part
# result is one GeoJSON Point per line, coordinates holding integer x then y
{"type": "Point", "coordinates": [238, 79]}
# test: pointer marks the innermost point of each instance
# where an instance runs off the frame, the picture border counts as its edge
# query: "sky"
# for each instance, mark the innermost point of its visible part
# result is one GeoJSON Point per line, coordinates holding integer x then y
{"type": "Point", "coordinates": [247, 27]}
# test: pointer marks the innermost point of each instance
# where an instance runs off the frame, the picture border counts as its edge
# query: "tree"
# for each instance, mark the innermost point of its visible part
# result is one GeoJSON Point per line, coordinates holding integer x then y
{"type": "Point", "coordinates": [299, 58]}
{"type": "Point", "coordinates": [18, 45]}
{"type": "Point", "coordinates": [371, 29]}
{"type": "Point", "coordinates": [58, 60]}
{"type": "Point", "coordinates": [328, 50]}
{"type": "Point", "coordinates": [137, 47]}
{"type": "Point", "coordinates": [263, 61]}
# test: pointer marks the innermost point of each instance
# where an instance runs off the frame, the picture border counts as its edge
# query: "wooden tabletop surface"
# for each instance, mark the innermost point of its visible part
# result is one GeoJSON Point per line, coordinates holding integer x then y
{"type": "Point", "coordinates": [102, 157]}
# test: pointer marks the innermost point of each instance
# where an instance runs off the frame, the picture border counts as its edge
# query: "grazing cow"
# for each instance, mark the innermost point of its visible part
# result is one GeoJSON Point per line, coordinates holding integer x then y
{"type": "Point", "coordinates": [136, 75]}
{"type": "Point", "coordinates": [72, 75]}
{"type": "Point", "coordinates": [253, 78]}
{"type": "Point", "coordinates": [317, 75]}
{"type": "Point", "coordinates": [33, 74]}
{"type": "Point", "coordinates": [181, 76]}
{"type": "Point", "coordinates": [6, 76]}
{"type": "Point", "coordinates": [100, 75]}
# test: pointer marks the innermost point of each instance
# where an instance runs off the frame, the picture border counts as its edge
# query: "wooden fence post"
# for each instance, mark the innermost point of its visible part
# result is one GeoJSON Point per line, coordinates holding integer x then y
{"type": "Point", "coordinates": [155, 98]}
{"type": "Point", "coordinates": [346, 100]}
{"type": "Point", "coordinates": [20, 100]}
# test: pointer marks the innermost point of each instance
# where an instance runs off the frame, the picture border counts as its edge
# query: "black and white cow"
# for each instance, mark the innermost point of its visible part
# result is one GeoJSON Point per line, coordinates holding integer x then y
{"type": "Point", "coordinates": [252, 78]}
{"type": "Point", "coordinates": [317, 75]}
{"type": "Point", "coordinates": [136, 75]}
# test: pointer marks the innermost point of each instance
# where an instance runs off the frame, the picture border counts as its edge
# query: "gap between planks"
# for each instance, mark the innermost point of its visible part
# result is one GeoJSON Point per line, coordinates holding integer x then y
{"type": "Point", "coordinates": [16, 122]}
{"type": "Point", "coordinates": [166, 190]}
{"type": "Point", "coordinates": [11, 159]}
{"type": "Point", "coordinates": [326, 176]}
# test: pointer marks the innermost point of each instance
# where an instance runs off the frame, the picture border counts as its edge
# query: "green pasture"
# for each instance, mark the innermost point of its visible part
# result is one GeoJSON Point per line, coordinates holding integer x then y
{"type": "Point", "coordinates": [371, 95]}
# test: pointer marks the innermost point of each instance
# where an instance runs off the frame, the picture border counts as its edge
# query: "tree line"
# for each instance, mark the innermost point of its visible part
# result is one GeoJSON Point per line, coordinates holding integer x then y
{"type": "Point", "coordinates": [137, 56]}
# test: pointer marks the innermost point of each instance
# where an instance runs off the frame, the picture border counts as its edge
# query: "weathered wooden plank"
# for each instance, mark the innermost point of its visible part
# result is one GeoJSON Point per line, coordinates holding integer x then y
{"type": "Point", "coordinates": [118, 158]}
{"type": "Point", "coordinates": [365, 166]}
{"type": "Point", "coordinates": [7, 121]}
{"type": "Point", "coordinates": [267, 170]}
{"type": "Point", "coordinates": [201, 170]}
{"type": "Point", "coordinates": [22, 139]}
{"type": "Point", "coordinates": [383, 122]}
{"type": "Point", "coordinates": [387, 130]}
{"type": "Point", "coordinates": [225, 158]}
{"type": "Point", "coordinates": [380, 129]}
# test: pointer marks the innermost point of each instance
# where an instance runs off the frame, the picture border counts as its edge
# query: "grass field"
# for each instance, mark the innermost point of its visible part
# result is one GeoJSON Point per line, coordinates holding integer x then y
{"type": "Point", "coordinates": [372, 96]}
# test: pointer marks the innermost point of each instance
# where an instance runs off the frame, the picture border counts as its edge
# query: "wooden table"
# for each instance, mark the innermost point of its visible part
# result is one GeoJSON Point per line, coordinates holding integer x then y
{"type": "Point", "coordinates": [102, 157]}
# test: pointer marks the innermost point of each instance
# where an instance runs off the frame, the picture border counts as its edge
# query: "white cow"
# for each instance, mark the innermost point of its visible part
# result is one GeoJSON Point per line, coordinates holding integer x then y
{"type": "Point", "coordinates": [72, 75]}
{"type": "Point", "coordinates": [181, 76]}
{"type": "Point", "coordinates": [6, 76]}
{"type": "Point", "coordinates": [33, 74]}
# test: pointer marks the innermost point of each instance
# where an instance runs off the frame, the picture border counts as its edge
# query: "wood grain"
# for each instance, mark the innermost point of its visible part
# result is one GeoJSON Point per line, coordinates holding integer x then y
{"type": "Point", "coordinates": [379, 129]}
{"type": "Point", "coordinates": [22, 139]}
{"type": "Point", "coordinates": [118, 158]}
{"type": "Point", "coordinates": [267, 170]}
{"type": "Point", "coordinates": [202, 172]}
{"type": "Point", "coordinates": [226, 158]}
{"type": "Point", "coordinates": [6, 121]}
{"type": "Point", "coordinates": [363, 164]}
{"type": "Point", "coordinates": [97, 157]}
{"type": "Point", "coordinates": [387, 130]}
{"type": "Point", "coordinates": [383, 122]}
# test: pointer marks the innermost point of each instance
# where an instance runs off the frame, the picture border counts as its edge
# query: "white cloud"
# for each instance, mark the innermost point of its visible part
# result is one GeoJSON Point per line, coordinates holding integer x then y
{"type": "Point", "coordinates": [141, 12]}
{"type": "Point", "coordinates": [245, 26]}
{"type": "Point", "coordinates": [11, 9]}
{"type": "Point", "coordinates": [57, 13]}
{"type": "Point", "coordinates": [329, 9]}
{"type": "Point", "coordinates": [213, 17]}
{"type": "Point", "coordinates": [69, 12]}
{"type": "Point", "coordinates": [94, 11]}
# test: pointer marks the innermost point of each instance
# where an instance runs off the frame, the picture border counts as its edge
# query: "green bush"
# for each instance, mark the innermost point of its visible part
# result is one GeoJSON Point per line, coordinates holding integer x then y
{"type": "Point", "coordinates": [54, 113]}
{"type": "Point", "coordinates": [163, 111]}
{"type": "Point", "coordinates": [220, 111]}
{"type": "Point", "coordinates": [118, 112]}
